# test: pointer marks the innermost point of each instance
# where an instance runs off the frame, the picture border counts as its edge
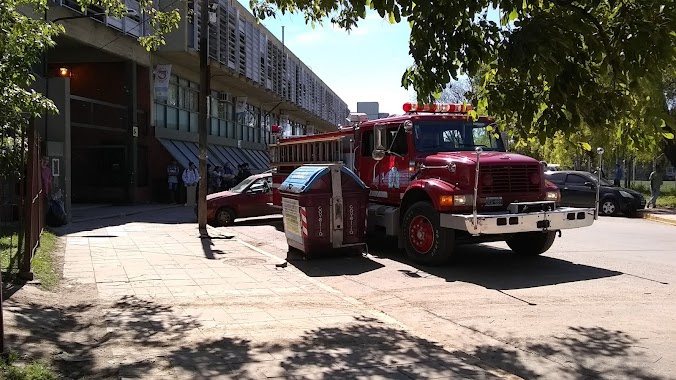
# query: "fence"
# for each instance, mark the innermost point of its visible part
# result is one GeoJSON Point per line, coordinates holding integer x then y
{"type": "Point", "coordinates": [21, 199]}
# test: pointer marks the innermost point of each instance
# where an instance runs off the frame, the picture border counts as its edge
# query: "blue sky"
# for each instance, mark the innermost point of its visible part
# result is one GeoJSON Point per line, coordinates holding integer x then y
{"type": "Point", "coordinates": [365, 65]}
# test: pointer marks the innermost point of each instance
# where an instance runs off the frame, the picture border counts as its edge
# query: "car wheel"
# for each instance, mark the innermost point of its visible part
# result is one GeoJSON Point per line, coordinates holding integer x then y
{"type": "Point", "coordinates": [225, 216]}
{"type": "Point", "coordinates": [608, 206]}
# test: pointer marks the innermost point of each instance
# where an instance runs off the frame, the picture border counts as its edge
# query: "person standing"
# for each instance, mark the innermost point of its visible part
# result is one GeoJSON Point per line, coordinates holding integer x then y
{"type": "Point", "coordinates": [172, 179]}
{"type": "Point", "coordinates": [228, 175]}
{"type": "Point", "coordinates": [190, 179]}
{"type": "Point", "coordinates": [618, 175]}
{"type": "Point", "coordinates": [46, 178]}
{"type": "Point", "coordinates": [656, 179]}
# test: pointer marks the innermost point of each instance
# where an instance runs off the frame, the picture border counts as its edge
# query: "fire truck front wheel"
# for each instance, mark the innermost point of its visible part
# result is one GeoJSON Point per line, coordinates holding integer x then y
{"type": "Point", "coordinates": [424, 240]}
{"type": "Point", "coordinates": [531, 243]}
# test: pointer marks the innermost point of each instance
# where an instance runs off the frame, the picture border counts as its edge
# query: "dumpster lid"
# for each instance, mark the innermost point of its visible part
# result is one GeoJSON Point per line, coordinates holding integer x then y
{"type": "Point", "coordinates": [302, 179]}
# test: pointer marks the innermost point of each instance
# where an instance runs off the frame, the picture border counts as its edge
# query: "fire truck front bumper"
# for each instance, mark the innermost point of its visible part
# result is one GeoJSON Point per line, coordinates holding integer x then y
{"type": "Point", "coordinates": [509, 223]}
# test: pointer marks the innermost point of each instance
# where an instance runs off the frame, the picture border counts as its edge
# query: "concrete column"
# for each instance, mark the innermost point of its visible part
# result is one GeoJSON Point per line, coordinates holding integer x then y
{"type": "Point", "coordinates": [132, 131]}
{"type": "Point", "coordinates": [57, 137]}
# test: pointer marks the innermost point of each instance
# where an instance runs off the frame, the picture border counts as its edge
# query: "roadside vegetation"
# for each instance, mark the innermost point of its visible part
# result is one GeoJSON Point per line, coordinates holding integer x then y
{"type": "Point", "coordinates": [13, 369]}
{"type": "Point", "coordinates": [667, 197]}
{"type": "Point", "coordinates": [43, 263]}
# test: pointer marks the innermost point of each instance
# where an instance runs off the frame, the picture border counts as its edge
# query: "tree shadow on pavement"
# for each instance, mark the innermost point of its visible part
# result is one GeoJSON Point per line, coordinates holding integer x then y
{"type": "Point", "coordinates": [583, 353]}
{"type": "Point", "coordinates": [499, 269]}
{"type": "Point", "coordinates": [81, 338]}
{"type": "Point", "coordinates": [368, 347]}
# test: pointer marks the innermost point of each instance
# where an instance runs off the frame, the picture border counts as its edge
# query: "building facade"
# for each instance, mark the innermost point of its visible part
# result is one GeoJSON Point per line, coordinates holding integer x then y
{"type": "Point", "coordinates": [125, 113]}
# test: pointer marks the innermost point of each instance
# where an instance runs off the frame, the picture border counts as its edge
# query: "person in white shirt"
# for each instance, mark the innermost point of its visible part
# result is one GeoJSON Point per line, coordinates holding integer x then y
{"type": "Point", "coordinates": [190, 179]}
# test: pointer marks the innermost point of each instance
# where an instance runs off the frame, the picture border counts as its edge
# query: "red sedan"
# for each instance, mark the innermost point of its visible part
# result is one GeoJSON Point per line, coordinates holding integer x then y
{"type": "Point", "coordinates": [251, 197]}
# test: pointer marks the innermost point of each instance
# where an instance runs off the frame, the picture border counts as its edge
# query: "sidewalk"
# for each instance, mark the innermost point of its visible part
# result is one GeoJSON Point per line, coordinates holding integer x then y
{"type": "Point", "coordinates": [152, 300]}
{"type": "Point", "coordinates": [662, 215]}
{"type": "Point", "coordinates": [88, 212]}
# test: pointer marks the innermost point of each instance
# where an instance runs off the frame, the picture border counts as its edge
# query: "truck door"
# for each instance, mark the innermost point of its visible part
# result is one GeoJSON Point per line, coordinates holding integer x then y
{"type": "Point", "coordinates": [395, 165]}
{"type": "Point", "coordinates": [389, 177]}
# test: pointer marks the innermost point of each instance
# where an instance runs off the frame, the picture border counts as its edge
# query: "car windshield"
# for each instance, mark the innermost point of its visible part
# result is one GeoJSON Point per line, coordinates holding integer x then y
{"type": "Point", "coordinates": [455, 135]}
{"type": "Point", "coordinates": [243, 185]}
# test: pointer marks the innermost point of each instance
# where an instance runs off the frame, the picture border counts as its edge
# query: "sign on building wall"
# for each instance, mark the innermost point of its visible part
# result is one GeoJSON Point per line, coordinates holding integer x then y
{"type": "Point", "coordinates": [162, 77]}
{"type": "Point", "coordinates": [240, 106]}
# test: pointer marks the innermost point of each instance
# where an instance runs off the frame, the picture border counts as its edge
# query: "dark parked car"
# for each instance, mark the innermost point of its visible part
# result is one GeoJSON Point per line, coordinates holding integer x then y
{"type": "Point", "coordinates": [578, 189]}
{"type": "Point", "coordinates": [251, 197]}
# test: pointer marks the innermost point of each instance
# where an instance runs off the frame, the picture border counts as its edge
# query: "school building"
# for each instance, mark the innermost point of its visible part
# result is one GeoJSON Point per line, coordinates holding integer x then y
{"type": "Point", "coordinates": [126, 112]}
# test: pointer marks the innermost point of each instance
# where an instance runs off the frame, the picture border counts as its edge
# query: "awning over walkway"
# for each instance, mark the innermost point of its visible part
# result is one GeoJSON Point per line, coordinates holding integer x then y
{"type": "Point", "coordinates": [217, 155]}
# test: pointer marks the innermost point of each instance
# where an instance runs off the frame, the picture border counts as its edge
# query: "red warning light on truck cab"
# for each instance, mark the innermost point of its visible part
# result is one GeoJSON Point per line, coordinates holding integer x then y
{"type": "Point", "coordinates": [436, 107]}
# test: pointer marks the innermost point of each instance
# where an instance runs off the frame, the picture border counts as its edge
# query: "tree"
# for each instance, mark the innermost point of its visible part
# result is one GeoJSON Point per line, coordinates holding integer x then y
{"type": "Point", "coordinates": [23, 40]}
{"type": "Point", "coordinates": [550, 65]}
{"type": "Point", "coordinates": [458, 91]}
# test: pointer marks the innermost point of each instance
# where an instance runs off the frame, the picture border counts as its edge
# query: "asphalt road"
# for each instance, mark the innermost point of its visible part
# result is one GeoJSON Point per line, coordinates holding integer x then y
{"type": "Point", "coordinates": [599, 304]}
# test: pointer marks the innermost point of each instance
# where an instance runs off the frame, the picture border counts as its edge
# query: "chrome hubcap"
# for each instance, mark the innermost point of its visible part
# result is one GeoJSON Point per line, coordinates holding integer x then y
{"type": "Point", "coordinates": [608, 207]}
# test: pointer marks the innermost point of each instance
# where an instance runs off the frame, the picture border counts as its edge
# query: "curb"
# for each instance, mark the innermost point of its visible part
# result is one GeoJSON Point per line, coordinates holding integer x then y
{"type": "Point", "coordinates": [658, 218]}
{"type": "Point", "coordinates": [122, 215]}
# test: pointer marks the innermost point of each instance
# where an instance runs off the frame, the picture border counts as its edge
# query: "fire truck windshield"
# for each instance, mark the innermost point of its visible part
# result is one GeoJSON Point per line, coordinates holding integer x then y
{"type": "Point", "coordinates": [455, 135]}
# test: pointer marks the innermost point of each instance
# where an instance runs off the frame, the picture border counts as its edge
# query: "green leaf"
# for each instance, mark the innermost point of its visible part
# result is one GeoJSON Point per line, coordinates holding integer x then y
{"type": "Point", "coordinates": [668, 135]}
{"type": "Point", "coordinates": [586, 146]}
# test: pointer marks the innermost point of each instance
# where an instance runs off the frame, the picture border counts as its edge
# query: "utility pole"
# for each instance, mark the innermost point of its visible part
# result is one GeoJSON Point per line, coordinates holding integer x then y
{"type": "Point", "coordinates": [205, 92]}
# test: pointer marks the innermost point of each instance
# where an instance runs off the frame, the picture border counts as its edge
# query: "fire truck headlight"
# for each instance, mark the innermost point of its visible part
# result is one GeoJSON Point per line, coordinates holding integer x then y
{"type": "Point", "coordinates": [552, 196]}
{"type": "Point", "coordinates": [462, 200]}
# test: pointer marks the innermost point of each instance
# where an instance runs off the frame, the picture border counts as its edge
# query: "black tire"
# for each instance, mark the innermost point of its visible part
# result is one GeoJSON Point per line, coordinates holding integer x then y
{"type": "Point", "coordinates": [224, 217]}
{"type": "Point", "coordinates": [422, 216]}
{"type": "Point", "coordinates": [608, 206]}
{"type": "Point", "coordinates": [531, 243]}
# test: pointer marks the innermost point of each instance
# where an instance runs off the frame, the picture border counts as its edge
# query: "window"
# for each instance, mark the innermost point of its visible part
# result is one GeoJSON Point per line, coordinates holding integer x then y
{"type": "Point", "coordinates": [558, 178]}
{"type": "Point", "coordinates": [367, 143]}
{"type": "Point", "coordinates": [396, 140]}
{"type": "Point", "coordinates": [452, 135]}
{"type": "Point", "coordinates": [261, 185]}
{"type": "Point", "coordinates": [575, 179]}
{"type": "Point", "coordinates": [181, 106]}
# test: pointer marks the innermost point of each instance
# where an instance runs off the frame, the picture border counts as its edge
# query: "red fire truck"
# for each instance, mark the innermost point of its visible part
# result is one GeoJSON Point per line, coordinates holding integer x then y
{"type": "Point", "coordinates": [439, 178]}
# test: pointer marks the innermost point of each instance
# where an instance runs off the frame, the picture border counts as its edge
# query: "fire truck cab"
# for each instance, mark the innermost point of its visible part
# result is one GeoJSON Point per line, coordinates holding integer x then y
{"type": "Point", "coordinates": [439, 178]}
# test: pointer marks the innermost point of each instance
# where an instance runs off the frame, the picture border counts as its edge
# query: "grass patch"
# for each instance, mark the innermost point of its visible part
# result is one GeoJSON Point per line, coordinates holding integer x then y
{"type": "Point", "coordinates": [667, 198]}
{"type": "Point", "coordinates": [667, 188]}
{"type": "Point", "coordinates": [668, 201]}
{"type": "Point", "coordinates": [43, 262]}
{"type": "Point", "coordinates": [11, 369]}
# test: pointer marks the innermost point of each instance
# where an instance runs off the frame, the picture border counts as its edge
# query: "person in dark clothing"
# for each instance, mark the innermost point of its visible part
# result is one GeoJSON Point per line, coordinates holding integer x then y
{"type": "Point", "coordinates": [243, 173]}
{"type": "Point", "coordinates": [618, 175]}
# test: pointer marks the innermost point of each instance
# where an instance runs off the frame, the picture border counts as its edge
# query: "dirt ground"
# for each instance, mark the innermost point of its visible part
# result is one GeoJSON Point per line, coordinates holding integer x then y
{"type": "Point", "coordinates": [65, 327]}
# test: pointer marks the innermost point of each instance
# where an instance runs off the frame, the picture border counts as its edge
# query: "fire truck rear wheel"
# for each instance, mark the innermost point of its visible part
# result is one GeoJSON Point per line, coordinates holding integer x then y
{"type": "Point", "coordinates": [531, 243]}
{"type": "Point", "coordinates": [424, 240]}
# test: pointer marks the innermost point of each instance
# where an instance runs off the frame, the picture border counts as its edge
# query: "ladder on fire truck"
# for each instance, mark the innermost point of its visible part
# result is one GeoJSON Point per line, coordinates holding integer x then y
{"type": "Point", "coordinates": [319, 150]}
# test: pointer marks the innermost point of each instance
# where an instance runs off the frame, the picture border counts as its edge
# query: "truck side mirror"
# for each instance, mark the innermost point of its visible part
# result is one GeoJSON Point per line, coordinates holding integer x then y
{"type": "Point", "coordinates": [379, 133]}
{"type": "Point", "coordinates": [378, 154]}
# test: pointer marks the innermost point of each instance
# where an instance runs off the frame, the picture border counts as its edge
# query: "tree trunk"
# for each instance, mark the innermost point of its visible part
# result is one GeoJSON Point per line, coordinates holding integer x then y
{"type": "Point", "coordinates": [670, 151]}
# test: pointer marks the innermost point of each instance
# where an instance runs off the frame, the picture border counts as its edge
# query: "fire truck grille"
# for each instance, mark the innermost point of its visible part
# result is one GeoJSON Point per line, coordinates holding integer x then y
{"type": "Point", "coordinates": [507, 179]}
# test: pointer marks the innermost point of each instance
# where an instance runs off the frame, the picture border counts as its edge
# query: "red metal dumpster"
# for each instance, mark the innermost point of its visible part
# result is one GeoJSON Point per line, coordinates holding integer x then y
{"type": "Point", "coordinates": [324, 209]}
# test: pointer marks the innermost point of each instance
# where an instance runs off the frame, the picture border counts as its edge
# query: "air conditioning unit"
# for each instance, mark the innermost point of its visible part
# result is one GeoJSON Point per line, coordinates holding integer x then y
{"type": "Point", "coordinates": [223, 97]}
